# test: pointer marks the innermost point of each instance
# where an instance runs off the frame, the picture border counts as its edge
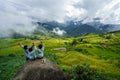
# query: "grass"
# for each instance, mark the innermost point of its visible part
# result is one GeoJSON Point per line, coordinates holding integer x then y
{"type": "Point", "coordinates": [9, 66]}
{"type": "Point", "coordinates": [77, 58]}
{"type": "Point", "coordinates": [100, 53]}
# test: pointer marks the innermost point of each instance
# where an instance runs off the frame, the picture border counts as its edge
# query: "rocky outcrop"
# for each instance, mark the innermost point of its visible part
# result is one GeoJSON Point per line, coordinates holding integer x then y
{"type": "Point", "coordinates": [37, 70]}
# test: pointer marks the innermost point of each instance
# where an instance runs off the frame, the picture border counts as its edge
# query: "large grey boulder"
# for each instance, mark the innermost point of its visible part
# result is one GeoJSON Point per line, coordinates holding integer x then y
{"type": "Point", "coordinates": [37, 70]}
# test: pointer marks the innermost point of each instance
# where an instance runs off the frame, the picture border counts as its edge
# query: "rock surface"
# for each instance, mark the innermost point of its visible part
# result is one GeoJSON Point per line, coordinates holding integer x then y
{"type": "Point", "coordinates": [37, 70]}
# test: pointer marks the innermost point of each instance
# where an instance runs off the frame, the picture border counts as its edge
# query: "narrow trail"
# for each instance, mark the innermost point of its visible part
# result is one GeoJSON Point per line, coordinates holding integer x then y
{"type": "Point", "coordinates": [37, 70]}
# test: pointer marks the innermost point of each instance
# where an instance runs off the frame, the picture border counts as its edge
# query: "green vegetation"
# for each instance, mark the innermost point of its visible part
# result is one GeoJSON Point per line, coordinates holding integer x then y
{"type": "Point", "coordinates": [9, 66]}
{"type": "Point", "coordinates": [93, 56]}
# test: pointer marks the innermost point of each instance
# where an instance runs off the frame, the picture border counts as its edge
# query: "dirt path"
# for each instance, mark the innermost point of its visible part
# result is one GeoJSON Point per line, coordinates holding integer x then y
{"type": "Point", "coordinates": [37, 70]}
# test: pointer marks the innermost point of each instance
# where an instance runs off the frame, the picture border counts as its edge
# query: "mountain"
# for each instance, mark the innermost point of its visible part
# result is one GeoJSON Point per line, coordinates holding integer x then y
{"type": "Point", "coordinates": [96, 23]}
{"type": "Point", "coordinates": [77, 28]}
{"type": "Point", "coordinates": [49, 29]}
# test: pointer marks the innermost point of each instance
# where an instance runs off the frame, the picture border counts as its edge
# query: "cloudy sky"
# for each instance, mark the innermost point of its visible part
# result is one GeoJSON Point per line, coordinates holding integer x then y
{"type": "Point", "coordinates": [18, 14]}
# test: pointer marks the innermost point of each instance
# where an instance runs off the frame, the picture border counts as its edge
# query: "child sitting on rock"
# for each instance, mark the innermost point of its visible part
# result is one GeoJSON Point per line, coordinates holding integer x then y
{"type": "Point", "coordinates": [40, 51]}
{"type": "Point", "coordinates": [29, 51]}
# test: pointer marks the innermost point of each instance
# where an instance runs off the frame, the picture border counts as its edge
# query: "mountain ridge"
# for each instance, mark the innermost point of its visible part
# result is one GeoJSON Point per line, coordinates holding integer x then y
{"type": "Point", "coordinates": [77, 28]}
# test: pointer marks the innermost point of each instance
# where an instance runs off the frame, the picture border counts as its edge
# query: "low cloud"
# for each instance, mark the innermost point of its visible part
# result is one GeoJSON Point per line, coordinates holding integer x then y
{"type": "Point", "coordinates": [58, 31]}
{"type": "Point", "coordinates": [18, 15]}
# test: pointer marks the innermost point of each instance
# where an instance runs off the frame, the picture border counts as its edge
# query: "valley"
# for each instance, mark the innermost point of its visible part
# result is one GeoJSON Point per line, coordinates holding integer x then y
{"type": "Point", "coordinates": [98, 53]}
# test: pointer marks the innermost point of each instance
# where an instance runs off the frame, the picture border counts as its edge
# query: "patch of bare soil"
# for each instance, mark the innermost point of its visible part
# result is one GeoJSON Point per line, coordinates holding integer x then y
{"type": "Point", "coordinates": [62, 49]}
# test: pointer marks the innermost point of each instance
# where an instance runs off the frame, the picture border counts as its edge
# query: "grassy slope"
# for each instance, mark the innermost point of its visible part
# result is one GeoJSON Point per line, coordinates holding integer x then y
{"type": "Point", "coordinates": [9, 66]}
{"type": "Point", "coordinates": [102, 54]}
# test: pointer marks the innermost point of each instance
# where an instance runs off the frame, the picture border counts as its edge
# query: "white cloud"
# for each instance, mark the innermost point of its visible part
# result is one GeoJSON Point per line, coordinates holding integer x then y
{"type": "Point", "coordinates": [110, 13]}
{"type": "Point", "coordinates": [58, 31]}
{"type": "Point", "coordinates": [23, 12]}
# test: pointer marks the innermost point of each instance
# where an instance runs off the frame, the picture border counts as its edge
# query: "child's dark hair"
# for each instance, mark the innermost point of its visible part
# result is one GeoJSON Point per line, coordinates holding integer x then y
{"type": "Point", "coordinates": [25, 47]}
{"type": "Point", "coordinates": [30, 49]}
{"type": "Point", "coordinates": [40, 46]}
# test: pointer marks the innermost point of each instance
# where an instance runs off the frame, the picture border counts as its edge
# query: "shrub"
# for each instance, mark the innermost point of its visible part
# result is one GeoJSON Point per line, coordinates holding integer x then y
{"type": "Point", "coordinates": [81, 39]}
{"type": "Point", "coordinates": [118, 63]}
{"type": "Point", "coordinates": [84, 72]}
{"type": "Point", "coordinates": [101, 35]}
{"type": "Point", "coordinates": [82, 50]}
{"type": "Point", "coordinates": [1, 56]}
{"type": "Point", "coordinates": [108, 37]}
{"type": "Point", "coordinates": [85, 41]}
{"type": "Point", "coordinates": [67, 43]}
{"type": "Point", "coordinates": [74, 42]}
{"type": "Point", "coordinates": [104, 57]}
{"type": "Point", "coordinates": [11, 55]}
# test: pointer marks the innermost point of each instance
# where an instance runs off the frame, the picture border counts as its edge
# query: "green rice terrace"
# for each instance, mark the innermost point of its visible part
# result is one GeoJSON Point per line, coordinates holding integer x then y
{"type": "Point", "coordinates": [89, 57]}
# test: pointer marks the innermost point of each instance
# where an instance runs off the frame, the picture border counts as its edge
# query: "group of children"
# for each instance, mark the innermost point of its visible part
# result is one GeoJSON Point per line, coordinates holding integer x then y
{"type": "Point", "coordinates": [30, 51]}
